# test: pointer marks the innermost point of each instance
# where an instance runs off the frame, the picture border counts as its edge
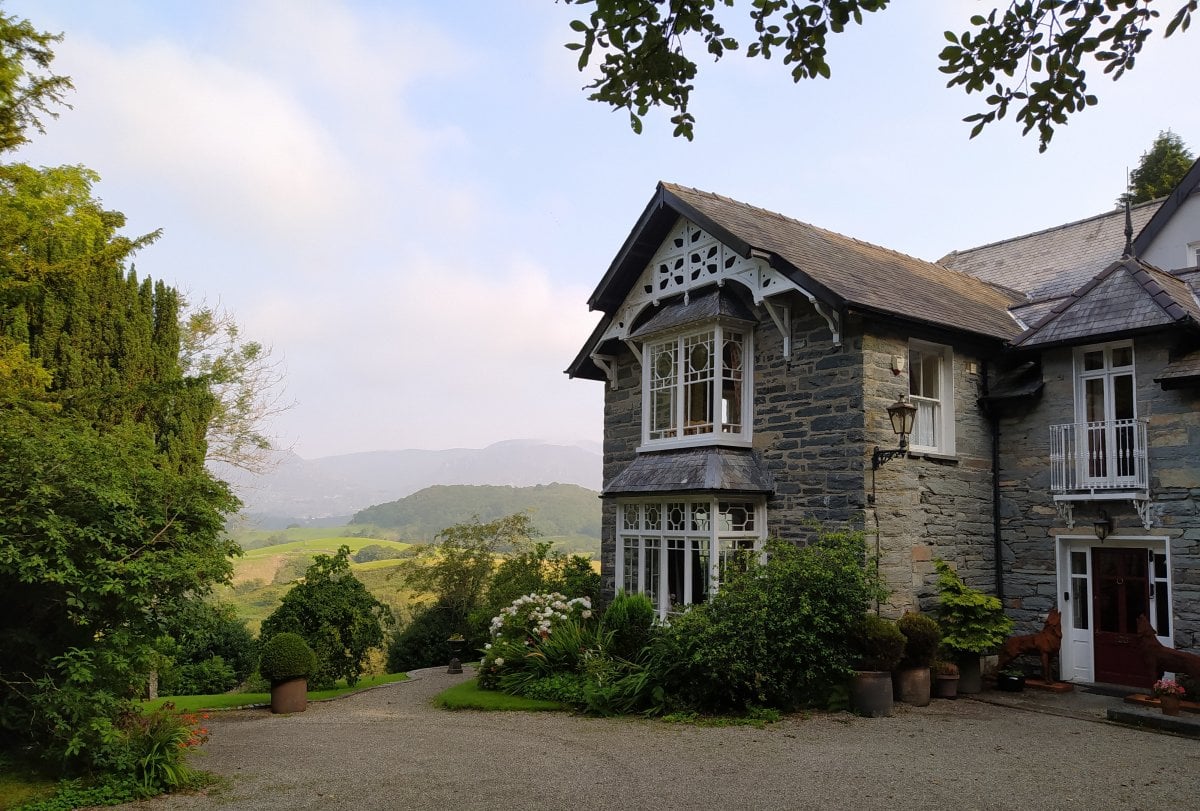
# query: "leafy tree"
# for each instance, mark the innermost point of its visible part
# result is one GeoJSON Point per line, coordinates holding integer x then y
{"type": "Point", "coordinates": [1160, 169]}
{"type": "Point", "coordinates": [210, 649]}
{"type": "Point", "coordinates": [1031, 55]}
{"type": "Point", "coordinates": [245, 382]}
{"type": "Point", "coordinates": [108, 517]}
{"type": "Point", "coordinates": [336, 615]}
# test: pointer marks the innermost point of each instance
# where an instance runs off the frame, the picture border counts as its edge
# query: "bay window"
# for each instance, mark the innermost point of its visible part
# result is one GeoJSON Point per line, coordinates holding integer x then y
{"type": "Point", "coordinates": [678, 550]}
{"type": "Point", "coordinates": [696, 387]}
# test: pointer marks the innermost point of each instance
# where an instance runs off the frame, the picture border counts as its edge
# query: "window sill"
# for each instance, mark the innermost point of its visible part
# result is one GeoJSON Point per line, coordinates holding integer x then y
{"type": "Point", "coordinates": [935, 456]}
{"type": "Point", "coordinates": [695, 442]}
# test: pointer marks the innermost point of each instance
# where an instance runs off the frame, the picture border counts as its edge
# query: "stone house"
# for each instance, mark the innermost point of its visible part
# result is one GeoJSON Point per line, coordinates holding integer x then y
{"type": "Point", "coordinates": [750, 360]}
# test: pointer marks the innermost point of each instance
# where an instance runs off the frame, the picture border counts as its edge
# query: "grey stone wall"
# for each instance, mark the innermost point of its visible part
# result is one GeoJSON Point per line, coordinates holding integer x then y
{"type": "Point", "coordinates": [928, 506]}
{"type": "Point", "coordinates": [1030, 524]}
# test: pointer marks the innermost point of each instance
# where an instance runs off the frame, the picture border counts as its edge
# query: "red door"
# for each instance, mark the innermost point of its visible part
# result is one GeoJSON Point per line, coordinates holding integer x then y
{"type": "Point", "coordinates": [1120, 594]}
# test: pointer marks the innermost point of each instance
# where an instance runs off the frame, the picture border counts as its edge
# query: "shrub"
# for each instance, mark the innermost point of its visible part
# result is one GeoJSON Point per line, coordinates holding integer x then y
{"type": "Point", "coordinates": [775, 635]}
{"type": "Point", "coordinates": [630, 619]}
{"type": "Point", "coordinates": [545, 632]}
{"type": "Point", "coordinates": [422, 643]}
{"type": "Point", "coordinates": [877, 643]}
{"type": "Point", "coordinates": [287, 656]}
{"type": "Point", "coordinates": [335, 613]}
{"type": "Point", "coordinates": [921, 638]}
{"type": "Point", "coordinates": [159, 740]}
{"type": "Point", "coordinates": [972, 622]}
{"type": "Point", "coordinates": [373, 552]}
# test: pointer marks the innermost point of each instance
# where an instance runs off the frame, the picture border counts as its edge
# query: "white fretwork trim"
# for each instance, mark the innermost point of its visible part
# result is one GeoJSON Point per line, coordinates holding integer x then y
{"type": "Point", "coordinates": [1145, 511]}
{"type": "Point", "coordinates": [1066, 511]}
{"type": "Point", "coordinates": [690, 258]}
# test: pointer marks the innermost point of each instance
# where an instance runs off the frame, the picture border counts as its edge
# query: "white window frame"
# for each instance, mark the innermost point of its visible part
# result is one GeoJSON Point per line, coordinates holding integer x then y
{"type": "Point", "coordinates": [718, 435]}
{"type": "Point", "coordinates": [1193, 255]}
{"type": "Point", "coordinates": [943, 425]}
{"type": "Point", "coordinates": [1108, 374]}
{"type": "Point", "coordinates": [659, 537]}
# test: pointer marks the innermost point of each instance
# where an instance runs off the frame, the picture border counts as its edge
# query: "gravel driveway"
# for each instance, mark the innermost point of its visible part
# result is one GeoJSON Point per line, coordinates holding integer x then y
{"type": "Point", "coordinates": [388, 748]}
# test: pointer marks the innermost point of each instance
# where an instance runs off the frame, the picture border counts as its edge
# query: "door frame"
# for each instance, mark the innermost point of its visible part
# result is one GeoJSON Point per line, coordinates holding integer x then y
{"type": "Point", "coordinates": [1077, 653]}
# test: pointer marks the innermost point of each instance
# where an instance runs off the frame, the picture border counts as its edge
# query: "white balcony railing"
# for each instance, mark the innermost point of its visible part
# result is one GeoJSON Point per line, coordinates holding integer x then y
{"type": "Point", "coordinates": [1098, 456]}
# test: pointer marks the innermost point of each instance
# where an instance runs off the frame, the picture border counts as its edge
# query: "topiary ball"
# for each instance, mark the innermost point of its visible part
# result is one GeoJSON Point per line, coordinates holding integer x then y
{"type": "Point", "coordinates": [877, 643]}
{"type": "Point", "coordinates": [922, 637]}
{"type": "Point", "coordinates": [287, 656]}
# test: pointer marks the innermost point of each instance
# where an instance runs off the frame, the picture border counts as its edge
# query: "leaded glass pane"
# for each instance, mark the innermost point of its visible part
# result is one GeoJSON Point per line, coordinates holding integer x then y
{"type": "Point", "coordinates": [737, 516]}
{"type": "Point", "coordinates": [629, 566]}
{"type": "Point", "coordinates": [653, 570]}
{"type": "Point", "coordinates": [629, 513]}
{"type": "Point", "coordinates": [700, 518]}
{"type": "Point", "coordinates": [676, 515]}
{"type": "Point", "coordinates": [663, 388]}
{"type": "Point", "coordinates": [731, 384]}
{"type": "Point", "coordinates": [698, 383]}
{"type": "Point", "coordinates": [653, 517]}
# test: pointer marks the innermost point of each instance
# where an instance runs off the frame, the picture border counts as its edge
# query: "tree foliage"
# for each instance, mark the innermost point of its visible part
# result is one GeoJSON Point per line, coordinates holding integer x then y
{"type": "Point", "coordinates": [1033, 55]}
{"type": "Point", "coordinates": [246, 384]}
{"type": "Point", "coordinates": [207, 649]}
{"type": "Point", "coordinates": [1159, 170]}
{"type": "Point", "coordinates": [336, 615]}
{"type": "Point", "coordinates": [108, 518]}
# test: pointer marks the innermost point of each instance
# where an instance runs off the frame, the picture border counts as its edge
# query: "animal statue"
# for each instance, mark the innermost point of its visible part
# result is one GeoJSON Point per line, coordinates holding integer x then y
{"type": "Point", "coordinates": [1045, 642]}
{"type": "Point", "coordinates": [1160, 658]}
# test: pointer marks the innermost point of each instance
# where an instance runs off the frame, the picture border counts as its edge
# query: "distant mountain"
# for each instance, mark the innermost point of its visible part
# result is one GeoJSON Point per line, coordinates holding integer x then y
{"type": "Point", "coordinates": [329, 490]}
{"type": "Point", "coordinates": [555, 509]}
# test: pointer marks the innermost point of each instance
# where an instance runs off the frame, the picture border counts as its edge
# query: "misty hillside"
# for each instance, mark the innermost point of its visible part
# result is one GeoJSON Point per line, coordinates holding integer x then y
{"type": "Point", "coordinates": [329, 490]}
{"type": "Point", "coordinates": [556, 509]}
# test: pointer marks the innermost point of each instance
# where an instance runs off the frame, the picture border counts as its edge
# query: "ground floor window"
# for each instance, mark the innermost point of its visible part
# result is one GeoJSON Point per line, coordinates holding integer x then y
{"type": "Point", "coordinates": [677, 551]}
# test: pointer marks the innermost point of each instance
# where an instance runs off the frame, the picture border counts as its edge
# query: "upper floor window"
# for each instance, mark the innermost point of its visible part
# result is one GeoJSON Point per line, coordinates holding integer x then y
{"type": "Point", "coordinates": [1193, 255]}
{"type": "Point", "coordinates": [696, 387]}
{"type": "Point", "coordinates": [1106, 409]}
{"type": "Point", "coordinates": [931, 390]}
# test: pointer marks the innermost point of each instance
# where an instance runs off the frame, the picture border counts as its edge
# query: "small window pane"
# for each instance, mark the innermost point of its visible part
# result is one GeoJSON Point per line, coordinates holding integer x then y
{"type": "Point", "coordinates": [630, 515]}
{"type": "Point", "coordinates": [699, 518]}
{"type": "Point", "coordinates": [652, 571]}
{"type": "Point", "coordinates": [1093, 360]}
{"type": "Point", "coordinates": [676, 515]}
{"type": "Point", "coordinates": [629, 565]}
{"type": "Point", "coordinates": [1079, 563]}
{"type": "Point", "coordinates": [1079, 603]}
{"type": "Point", "coordinates": [1122, 356]}
{"type": "Point", "coordinates": [653, 516]}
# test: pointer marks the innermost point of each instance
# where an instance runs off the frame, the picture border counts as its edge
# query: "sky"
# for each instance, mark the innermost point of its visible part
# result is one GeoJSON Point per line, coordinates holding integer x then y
{"type": "Point", "coordinates": [411, 202]}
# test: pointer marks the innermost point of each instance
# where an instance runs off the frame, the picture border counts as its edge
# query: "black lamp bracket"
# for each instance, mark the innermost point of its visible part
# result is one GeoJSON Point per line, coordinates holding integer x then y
{"type": "Point", "coordinates": [879, 458]}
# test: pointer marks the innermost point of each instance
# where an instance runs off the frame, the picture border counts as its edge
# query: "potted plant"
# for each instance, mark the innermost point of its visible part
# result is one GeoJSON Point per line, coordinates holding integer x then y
{"type": "Point", "coordinates": [1169, 694]}
{"type": "Point", "coordinates": [287, 661]}
{"type": "Point", "coordinates": [945, 683]}
{"type": "Point", "coordinates": [972, 623]}
{"type": "Point", "coordinates": [878, 646]}
{"type": "Point", "coordinates": [1010, 680]}
{"type": "Point", "coordinates": [921, 638]}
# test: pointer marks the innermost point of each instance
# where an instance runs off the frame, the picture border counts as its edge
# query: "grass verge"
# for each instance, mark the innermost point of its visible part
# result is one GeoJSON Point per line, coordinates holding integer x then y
{"type": "Point", "coordinates": [19, 785]}
{"type": "Point", "coordinates": [468, 696]}
{"type": "Point", "coordinates": [228, 701]}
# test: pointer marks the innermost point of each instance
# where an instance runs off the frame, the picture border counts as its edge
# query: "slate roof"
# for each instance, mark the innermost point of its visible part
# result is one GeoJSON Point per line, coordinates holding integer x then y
{"type": "Point", "coordinates": [1181, 371]}
{"type": "Point", "coordinates": [1128, 295]}
{"type": "Point", "coordinates": [707, 306]}
{"type": "Point", "coordinates": [693, 470]}
{"type": "Point", "coordinates": [1054, 262]}
{"type": "Point", "coordinates": [841, 271]}
{"type": "Point", "coordinates": [1024, 380]}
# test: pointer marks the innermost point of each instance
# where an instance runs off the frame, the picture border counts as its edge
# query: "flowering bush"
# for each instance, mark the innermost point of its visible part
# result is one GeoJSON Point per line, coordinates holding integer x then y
{"type": "Point", "coordinates": [159, 741]}
{"type": "Point", "coordinates": [1168, 687]}
{"type": "Point", "coordinates": [521, 631]}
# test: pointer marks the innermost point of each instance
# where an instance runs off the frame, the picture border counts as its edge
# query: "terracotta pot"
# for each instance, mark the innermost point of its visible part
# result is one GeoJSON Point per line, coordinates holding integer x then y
{"type": "Point", "coordinates": [289, 696]}
{"type": "Point", "coordinates": [871, 693]}
{"type": "Point", "coordinates": [1169, 704]}
{"type": "Point", "coordinates": [946, 687]}
{"type": "Point", "coordinates": [913, 686]}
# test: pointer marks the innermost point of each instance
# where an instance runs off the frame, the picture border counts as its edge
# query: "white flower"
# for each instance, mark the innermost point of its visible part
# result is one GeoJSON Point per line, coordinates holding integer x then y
{"type": "Point", "coordinates": [585, 614]}
{"type": "Point", "coordinates": [499, 661]}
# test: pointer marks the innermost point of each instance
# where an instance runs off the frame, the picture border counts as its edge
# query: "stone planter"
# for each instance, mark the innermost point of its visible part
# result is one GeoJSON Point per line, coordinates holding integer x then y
{"type": "Point", "coordinates": [871, 693]}
{"type": "Point", "coordinates": [946, 687]}
{"type": "Point", "coordinates": [1170, 704]}
{"type": "Point", "coordinates": [289, 696]}
{"type": "Point", "coordinates": [970, 675]}
{"type": "Point", "coordinates": [913, 686]}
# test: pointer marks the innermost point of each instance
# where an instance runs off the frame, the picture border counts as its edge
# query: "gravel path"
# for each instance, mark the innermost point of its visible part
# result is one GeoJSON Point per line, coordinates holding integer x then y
{"type": "Point", "coordinates": [388, 748]}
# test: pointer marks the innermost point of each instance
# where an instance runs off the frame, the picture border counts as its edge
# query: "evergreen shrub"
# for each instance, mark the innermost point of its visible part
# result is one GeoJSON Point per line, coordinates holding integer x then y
{"type": "Point", "coordinates": [972, 622]}
{"type": "Point", "coordinates": [287, 656]}
{"type": "Point", "coordinates": [921, 638]}
{"type": "Point", "coordinates": [877, 643]}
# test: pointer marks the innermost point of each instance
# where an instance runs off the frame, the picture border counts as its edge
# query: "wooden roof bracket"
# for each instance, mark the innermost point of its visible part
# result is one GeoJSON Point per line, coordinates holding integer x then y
{"type": "Point", "coordinates": [782, 316]}
{"type": "Point", "coordinates": [832, 318]}
{"type": "Point", "coordinates": [633, 347]}
{"type": "Point", "coordinates": [608, 365]}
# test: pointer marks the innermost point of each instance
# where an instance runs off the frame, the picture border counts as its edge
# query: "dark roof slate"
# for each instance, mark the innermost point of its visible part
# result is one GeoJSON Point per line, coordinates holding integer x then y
{"type": "Point", "coordinates": [1056, 261]}
{"type": "Point", "coordinates": [693, 470]}
{"type": "Point", "coordinates": [711, 305]}
{"type": "Point", "coordinates": [1129, 295]}
{"type": "Point", "coordinates": [836, 269]}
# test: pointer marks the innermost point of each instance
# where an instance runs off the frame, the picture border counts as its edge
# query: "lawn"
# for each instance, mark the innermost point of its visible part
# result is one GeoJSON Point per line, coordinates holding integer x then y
{"type": "Point", "coordinates": [327, 545]}
{"type": "Point", "coordinates": [226, 701]}
{"type": "Point", "coordinates": [468, 696]}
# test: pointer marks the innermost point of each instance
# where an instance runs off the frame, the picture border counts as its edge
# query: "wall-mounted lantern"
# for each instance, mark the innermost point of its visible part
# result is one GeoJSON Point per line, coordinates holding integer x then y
{"type": "Point", "coordinates": [1103, 525]}
{"type": "Point", "coordinates": [902, 414]}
